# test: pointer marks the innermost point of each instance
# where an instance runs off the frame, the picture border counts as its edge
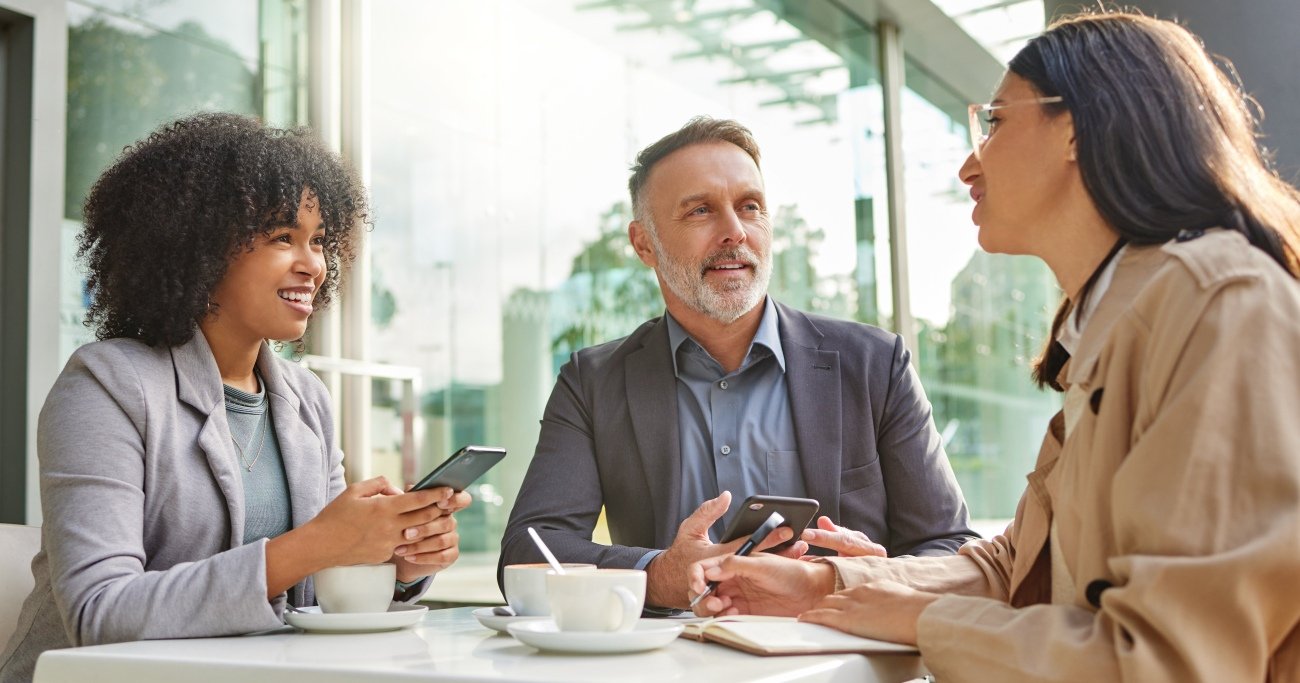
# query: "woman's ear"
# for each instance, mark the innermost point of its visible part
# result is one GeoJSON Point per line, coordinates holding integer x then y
{"type": "Point", "coordinates": [1067, 129]}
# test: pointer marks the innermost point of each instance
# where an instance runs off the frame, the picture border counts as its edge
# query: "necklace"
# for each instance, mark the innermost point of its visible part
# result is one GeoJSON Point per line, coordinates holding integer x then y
{"type": "Point", "coordinates": [261, 425]}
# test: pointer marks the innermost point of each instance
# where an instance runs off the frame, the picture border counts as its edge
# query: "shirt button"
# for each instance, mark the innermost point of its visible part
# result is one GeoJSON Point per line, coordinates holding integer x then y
{"type": "Point", "coordinates": [722, 384]}
{"type": "Point", "coordinates": [726, 450]}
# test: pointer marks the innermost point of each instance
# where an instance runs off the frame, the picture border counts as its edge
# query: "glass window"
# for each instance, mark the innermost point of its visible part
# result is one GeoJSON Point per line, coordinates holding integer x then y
{"type": "Point", "coordinates": [133, 66]}
{"type": "Point", "coordinates": [502, 135]}
{"type": "Point", "coordinates": [981, 318]}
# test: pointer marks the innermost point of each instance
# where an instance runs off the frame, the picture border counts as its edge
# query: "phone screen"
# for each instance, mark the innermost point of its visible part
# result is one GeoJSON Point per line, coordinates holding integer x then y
{"type": "Point", "coordinates": [462, 468]}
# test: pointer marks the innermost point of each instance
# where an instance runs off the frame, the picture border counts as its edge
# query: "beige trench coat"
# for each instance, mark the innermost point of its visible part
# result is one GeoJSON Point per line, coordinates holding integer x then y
{"type": "Point", "coordinates": [1175, 496]}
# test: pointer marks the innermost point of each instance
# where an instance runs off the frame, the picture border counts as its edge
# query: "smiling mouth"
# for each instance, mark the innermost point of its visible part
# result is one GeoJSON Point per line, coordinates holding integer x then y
{"type": "Point", "coordinates": [294, 296]}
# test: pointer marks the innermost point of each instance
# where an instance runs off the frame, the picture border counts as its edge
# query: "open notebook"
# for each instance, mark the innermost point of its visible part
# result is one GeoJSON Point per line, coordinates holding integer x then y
{"type": "Point", "coordinates": [784, 636]}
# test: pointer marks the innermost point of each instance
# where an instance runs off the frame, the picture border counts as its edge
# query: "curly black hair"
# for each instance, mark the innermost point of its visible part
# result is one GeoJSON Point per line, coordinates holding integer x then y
{"type": "Point", "coordinates": [166, 218]}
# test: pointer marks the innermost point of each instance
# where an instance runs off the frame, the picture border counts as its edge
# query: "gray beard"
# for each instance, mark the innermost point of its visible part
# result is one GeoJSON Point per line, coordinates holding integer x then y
{"type": "Point", "coordinates": [725, 304]}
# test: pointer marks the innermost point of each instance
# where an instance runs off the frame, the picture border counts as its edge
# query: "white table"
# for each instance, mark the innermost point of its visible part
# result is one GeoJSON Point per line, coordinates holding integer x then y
{"type": "Point", "coordinates": [448, 645]}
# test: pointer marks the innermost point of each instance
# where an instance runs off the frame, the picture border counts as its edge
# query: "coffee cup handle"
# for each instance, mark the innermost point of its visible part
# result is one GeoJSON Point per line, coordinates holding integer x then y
{"type": "Point", "coordinates": [631, 612]}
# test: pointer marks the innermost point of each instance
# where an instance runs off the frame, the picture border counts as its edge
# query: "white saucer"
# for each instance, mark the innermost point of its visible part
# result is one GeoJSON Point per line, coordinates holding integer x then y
{"type": "Point", "coordinates": [543, 634]}
{"type": "Point", "coordinates": [498, 623]}
{"type": "Point", "coordinates": [397, 616]}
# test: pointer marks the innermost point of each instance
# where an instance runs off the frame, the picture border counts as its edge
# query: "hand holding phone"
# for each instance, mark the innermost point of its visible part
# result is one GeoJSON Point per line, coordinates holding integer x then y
{"type": "Point", "coordinates": [797, 514]}
{"type": "Point", "coordinates": [774, 522]}
{"type": "Point", "coordinates": [462, 468]}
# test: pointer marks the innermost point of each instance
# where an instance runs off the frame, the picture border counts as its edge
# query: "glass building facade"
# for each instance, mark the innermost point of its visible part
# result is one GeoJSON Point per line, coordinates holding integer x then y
{"type": "Point", "coordinates": [496, 137]}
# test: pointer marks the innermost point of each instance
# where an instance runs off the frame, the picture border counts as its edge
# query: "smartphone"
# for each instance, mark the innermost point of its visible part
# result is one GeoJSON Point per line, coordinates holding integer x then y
{"type": "Point", "coordinates": [798, 513]}
{"type": "Point", "coordinates": [462, 468]}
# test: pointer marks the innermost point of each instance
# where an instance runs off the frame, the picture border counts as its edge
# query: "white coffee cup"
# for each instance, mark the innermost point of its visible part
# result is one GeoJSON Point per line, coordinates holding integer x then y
{"type": "Point", "coordinates": [525, 586]}
{"type": "Point", "coordinates": [598, 600]}
{"type": "Point", "coordinates": [355, 588]}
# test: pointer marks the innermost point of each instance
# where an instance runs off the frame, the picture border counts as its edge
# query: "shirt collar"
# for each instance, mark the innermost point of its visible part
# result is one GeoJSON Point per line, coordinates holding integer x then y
{"type": "Point", "coordinates": [768, 335]}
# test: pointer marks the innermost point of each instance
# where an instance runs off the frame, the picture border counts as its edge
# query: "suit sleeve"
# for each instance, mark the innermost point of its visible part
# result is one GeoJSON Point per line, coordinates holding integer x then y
{"type": "Point", "coordinates": [93, 490]}
{"type": "Point", "coordinates": [1206, 527]}
{"type": "Point", "coordinates": [926, 512]}
{"type": "Point", "coordinates": [561, 496]}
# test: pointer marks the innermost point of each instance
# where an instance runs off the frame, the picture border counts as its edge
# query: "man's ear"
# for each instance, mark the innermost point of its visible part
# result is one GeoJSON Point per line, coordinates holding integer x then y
{"type": "Point", "coordinates": [639, 236]}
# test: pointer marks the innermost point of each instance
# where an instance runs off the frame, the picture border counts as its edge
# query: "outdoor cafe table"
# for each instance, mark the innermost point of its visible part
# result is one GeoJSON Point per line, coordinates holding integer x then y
{"type": "Point", "coordinates": [447, 645]}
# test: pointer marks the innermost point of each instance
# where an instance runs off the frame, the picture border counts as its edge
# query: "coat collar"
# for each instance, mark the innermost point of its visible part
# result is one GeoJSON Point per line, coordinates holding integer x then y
{"type": "Point", "coordinates": [198, 384]}
{"type": "Point", "coordinates": [1136, 267]}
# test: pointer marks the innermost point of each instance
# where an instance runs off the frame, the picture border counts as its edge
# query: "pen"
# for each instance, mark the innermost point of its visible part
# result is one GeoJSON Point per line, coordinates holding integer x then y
{"type": "Point", "coordinates": [774, 520]}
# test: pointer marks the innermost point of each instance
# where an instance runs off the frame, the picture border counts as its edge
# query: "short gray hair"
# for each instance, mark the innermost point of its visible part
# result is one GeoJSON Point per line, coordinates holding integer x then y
{"type": "Point", "coordinates": [701, 129]}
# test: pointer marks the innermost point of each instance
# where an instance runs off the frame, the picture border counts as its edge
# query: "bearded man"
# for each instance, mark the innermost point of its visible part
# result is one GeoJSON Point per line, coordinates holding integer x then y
{"type": "Point", "coordinates": [729, 394]}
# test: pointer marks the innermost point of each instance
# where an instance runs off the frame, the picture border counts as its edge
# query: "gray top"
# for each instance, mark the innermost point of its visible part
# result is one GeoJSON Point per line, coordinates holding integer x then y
{"type": "Point", "coordinates": [266, 491]}
{"type": "Point", "coordinates": [735, 428]}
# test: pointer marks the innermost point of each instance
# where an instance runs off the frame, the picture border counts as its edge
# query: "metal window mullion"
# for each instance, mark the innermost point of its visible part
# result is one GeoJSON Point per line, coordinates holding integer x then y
{"type": "Point", "coordinates": [354, 315]}
{"type": "Point", "coordinates": [891, 82]}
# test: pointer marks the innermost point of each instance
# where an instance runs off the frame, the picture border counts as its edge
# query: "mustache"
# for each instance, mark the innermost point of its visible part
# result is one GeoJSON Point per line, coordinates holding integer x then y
{"type": "Point", "coordinates": [742, 254]}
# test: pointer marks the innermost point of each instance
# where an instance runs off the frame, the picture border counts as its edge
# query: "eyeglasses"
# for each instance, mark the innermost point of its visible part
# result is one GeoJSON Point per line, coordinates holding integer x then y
{"type": "Point", "coordinates": [981, 125]}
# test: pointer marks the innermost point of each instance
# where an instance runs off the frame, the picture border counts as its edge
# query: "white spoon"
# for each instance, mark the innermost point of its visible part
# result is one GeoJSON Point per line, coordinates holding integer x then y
{"type": "Point", "coordinates": [555, 564]}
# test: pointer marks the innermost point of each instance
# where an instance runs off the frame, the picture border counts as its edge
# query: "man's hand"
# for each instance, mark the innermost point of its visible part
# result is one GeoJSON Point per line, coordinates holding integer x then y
{"type": "Point", "coordinates": [666, 576]}
{"type": "Point", "coordinates": [846, 542]}
{"type": "Point", "coordinates": [760, 584]}
{"type": "Point", "coordinates": [883, 610]}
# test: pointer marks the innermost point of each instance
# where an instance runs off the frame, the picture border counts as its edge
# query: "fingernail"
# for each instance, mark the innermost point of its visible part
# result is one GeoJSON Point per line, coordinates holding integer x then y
{"type": "Point", "coordinates": [401, 550]}
{"type": "Point", "coordinates": [409, 534]}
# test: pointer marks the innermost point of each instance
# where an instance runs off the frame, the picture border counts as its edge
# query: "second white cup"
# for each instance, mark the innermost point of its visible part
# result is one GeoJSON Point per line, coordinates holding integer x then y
{"type": "Point", "coordinates": [601, 600]}
{"type": "Point", "coordinates": [525, 586]}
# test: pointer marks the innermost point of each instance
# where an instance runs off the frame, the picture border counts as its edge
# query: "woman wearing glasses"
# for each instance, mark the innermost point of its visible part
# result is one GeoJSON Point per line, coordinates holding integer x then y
{"type": "Point", "coordinates": [189, 479]}
{"type": "Point", "coordinates": [1159, 537]}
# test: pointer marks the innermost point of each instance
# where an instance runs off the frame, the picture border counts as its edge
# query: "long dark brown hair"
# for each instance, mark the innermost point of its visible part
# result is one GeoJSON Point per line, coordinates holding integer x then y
{"type": "Point", "coordinates": [1166, 140]}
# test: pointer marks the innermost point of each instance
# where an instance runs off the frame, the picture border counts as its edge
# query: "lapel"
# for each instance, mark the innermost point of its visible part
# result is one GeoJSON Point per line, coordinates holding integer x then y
{"type": "Point", "coordinates": [1031, 565]}
{"type": "Point", "coordinates": [651, 390]}
{"type": "Point", "coordinates": [1131, 274]}
{"type": "Point", "coordinates": [300, 447]}
{"type": "Point", "coordinates": [198, 384]}
{"type": "Point", "coordinates": [812, 377]}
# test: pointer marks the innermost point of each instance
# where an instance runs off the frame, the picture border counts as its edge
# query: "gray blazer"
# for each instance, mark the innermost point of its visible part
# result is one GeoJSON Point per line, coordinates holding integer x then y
{"type": "Point", "coordinates": [144, 504]}
{"type": "Point", "coordinates": [868, 448]}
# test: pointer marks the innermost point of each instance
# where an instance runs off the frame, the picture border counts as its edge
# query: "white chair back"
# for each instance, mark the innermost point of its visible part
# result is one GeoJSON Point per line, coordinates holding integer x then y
{"type": "Point", "coordinates": [18, 545]}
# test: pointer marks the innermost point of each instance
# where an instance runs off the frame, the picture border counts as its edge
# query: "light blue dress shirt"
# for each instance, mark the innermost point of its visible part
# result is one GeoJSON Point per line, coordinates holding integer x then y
{"type": "Point", "coordinates": [735, 429]}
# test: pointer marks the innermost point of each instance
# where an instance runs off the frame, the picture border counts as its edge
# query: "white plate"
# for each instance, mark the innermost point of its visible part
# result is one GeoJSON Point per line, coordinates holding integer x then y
{"type": "Point", "coordinates": [543, 634]}
{"type": "Point", "coordinates": [499, 623]}
{"type": "Point", "coordinates": [397, 616]}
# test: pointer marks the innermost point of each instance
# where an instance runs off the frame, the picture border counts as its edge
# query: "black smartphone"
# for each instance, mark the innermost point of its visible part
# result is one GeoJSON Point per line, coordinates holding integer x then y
{"type": "Point", "coordinates": [462, 468]}
{"type": "Point", "coordinates": [798, 513]}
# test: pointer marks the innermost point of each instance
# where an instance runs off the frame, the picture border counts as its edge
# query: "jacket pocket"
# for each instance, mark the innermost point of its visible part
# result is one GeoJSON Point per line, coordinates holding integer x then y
{"type": "Point", "coordinates": [858, 478]}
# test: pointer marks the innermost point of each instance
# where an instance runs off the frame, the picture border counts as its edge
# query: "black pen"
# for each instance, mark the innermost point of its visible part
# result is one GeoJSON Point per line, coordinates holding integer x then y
{"type": "Point", "coordinates": [774, 520]}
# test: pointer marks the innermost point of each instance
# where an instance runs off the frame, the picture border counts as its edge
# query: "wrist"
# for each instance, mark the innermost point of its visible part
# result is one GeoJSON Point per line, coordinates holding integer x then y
{"type": "Point", "coordinates": [825, 578]}
{"type": "Point", "coordinates": [658, 583]}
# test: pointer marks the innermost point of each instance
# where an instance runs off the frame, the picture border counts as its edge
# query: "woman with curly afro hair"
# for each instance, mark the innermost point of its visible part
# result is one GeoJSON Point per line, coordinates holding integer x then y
{"type": "Point", "coordinates": [184, 464]}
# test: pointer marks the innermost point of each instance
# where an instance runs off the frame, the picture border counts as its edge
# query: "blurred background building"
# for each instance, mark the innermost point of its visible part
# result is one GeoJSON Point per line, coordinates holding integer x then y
{"type": "Point", "coordinates": [496, 135]}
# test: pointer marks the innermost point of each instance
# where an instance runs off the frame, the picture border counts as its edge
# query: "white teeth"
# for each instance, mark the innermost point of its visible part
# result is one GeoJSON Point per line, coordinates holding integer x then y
{"type": "Point", "coordinates": [300, 297]}
{"type": "Point", "coordinates": [733, 267]}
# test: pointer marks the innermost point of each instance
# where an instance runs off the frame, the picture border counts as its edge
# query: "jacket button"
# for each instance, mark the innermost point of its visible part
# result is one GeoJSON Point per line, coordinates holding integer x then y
{"type": "Point", "coordinates": [1094, 590]}
{"type": "Point", "coordinates": [1094, 401]}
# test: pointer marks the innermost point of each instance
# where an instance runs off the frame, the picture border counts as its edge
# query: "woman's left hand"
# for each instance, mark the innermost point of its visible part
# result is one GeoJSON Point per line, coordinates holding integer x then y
{"type": "Point", "coordinates": [884, 610]}
{"type": "Point", "coordinates": [435, 545]}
